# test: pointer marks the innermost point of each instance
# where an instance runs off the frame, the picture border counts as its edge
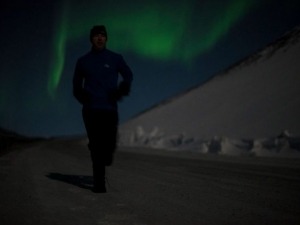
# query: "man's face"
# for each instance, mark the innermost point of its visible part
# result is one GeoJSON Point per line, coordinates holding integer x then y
{"type": "Point", "coordinates": [99, 41]}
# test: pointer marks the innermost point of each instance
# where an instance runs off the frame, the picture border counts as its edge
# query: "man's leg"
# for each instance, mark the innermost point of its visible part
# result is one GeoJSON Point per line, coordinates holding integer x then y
{"type": "Point", "coordinates": [110, 140]}
{"type": "Point", "coordinates": [99, 177]}
{"type": "Point", "coordinates": [92, 122]}
{"type": "Point", "coordinates": [101, 127]}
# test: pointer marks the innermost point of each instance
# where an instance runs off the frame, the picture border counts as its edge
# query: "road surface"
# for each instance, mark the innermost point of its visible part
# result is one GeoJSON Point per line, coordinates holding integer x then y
{"type": "Point", "coordinates": [49, 183]}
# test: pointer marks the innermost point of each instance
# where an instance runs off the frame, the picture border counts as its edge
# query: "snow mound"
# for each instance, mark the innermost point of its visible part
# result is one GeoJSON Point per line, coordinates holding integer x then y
{"type": "Point", "coordinates": [240, 111]}
{"type": "Point", "coordinates": [283, 145]}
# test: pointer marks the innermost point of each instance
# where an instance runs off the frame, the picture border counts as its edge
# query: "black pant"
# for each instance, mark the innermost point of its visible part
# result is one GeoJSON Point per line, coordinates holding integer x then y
{"type": "Point", "coordinates": [101, 127]}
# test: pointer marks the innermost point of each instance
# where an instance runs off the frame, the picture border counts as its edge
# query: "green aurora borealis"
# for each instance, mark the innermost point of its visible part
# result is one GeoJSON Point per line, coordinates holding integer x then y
{"type": "Point", "coordinates": [156, 30]}
{"type": "Point", "coordinates": [171, 47]}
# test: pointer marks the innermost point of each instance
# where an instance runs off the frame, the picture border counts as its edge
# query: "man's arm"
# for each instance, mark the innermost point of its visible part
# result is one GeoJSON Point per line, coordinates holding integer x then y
{"type": "Point", "coordinates": [78, 79]}
{"type": "Point", "coordinates": [126, 73]}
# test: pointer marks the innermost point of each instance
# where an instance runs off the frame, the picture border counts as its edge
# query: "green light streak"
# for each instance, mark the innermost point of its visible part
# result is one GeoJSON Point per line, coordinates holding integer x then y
{"type": "Point", "coordinates": [58, 55]}
{"type": "Point", "coordinates": [155, 30]}
{"type": "Point", "coordinates": [154, 35]}
{"type": "Point", "coordinates": [209, 32]}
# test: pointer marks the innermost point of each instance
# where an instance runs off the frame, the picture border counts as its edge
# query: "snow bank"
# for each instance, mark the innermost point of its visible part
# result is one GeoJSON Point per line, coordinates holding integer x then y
{"type": "Point", "coordinates": [256, 97]}
{"type": "Point", "coordinates": [284, 145]}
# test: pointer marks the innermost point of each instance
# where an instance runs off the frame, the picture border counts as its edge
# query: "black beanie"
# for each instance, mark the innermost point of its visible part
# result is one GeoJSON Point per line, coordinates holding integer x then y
{"type": "Point", "coordinates": [99, 29]}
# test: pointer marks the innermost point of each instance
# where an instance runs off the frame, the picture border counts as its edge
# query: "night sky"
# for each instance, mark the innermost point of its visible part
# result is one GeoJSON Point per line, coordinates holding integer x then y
{"type": "Point", "coordinates": [171, 46]}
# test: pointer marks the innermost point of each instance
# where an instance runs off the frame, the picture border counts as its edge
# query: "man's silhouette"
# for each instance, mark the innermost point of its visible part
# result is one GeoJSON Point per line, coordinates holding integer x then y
{"type": "Point", "coordinates": [96, 86]}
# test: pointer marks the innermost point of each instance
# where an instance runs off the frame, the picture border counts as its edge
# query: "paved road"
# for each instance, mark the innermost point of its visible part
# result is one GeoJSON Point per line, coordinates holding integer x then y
{"type": "Point", "coordinates": [49, 183]}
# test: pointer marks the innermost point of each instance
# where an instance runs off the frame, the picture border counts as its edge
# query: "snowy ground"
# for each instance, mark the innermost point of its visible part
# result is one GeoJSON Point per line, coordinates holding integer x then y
{"type": "Point", "coordinates": [49, 183]}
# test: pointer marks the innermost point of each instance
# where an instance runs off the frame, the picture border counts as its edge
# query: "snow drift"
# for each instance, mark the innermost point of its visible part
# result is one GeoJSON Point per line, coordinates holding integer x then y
{"type": "Point", "coordinates": [249, 109]}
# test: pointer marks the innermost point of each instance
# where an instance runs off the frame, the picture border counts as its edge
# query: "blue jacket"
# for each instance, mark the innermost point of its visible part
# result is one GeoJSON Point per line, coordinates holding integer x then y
{"type": "Point", "coordinates": [96, 79]}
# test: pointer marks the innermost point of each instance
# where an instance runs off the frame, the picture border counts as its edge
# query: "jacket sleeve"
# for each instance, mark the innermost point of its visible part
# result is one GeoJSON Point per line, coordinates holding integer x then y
{"type": "Point", "coordinates": [78, 80]}
{"type": "Point", "coordinates": [126, 73]}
